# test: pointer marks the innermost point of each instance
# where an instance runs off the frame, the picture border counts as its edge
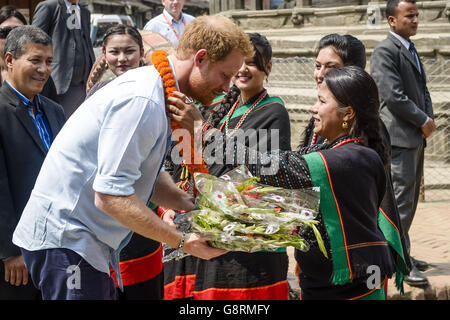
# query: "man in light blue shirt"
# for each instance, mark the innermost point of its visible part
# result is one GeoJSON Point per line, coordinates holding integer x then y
{"type": "Point", "coordinates": [106, 164]}
{"type": "Point", "coordinates": [171, 22]}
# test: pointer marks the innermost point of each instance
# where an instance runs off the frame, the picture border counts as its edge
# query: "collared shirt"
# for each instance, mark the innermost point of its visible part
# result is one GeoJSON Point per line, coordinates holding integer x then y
{"type": "Point", "coordinates": [115, 143]}
{"type": "Point", "coordinates": [39, 119]}
{"type": "Point", "coordinates": [407, 44]}
{"type": "Point", "coordinates": [74, 7]}
{"type": "Point", "coordinates": [167, 26]}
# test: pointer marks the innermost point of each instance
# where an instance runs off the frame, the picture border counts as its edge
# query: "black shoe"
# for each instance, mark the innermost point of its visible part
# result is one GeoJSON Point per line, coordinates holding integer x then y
{"type": "Point", "coordinates": [416, 278]}
{"type": "Point", "coordinates": [419, 264]}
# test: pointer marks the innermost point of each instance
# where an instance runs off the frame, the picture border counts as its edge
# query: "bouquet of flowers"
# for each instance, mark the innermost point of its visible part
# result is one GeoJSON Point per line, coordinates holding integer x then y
{"type": "Point", "coordinates": [237, 213]}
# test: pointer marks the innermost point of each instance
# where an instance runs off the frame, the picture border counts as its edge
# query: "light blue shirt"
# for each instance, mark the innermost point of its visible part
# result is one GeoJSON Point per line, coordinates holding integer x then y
{"type": "Point", "coordinates": [39, 119]}
{"type": "Point", "coordinates": [159, 24]}
{"type": "Point", "coordinates": [115, 143]}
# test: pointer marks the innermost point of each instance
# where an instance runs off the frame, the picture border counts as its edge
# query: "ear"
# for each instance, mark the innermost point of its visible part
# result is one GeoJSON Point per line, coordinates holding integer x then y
{"type": "Point", "coordinates": [392, 21]}
{"type": "Point", "coordinates": [269, 68]}
{"type": "Point", "coordinates": [200, 57]}
{"type": "Point", "coordinates": [348, 114]}
{"type": "Point", "coordinates": [8, 59]}
{"type": "Point", "coordinates": [103, 47]}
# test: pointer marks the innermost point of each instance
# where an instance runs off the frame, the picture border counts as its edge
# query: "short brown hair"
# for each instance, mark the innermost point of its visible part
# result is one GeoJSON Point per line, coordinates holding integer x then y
{"type": "Point", "coordinates": [217, 34]}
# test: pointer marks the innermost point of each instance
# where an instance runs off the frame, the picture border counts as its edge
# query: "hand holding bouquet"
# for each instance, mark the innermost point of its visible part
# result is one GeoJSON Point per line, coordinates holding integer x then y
{"type": "Point", "coordinates": [237, 213]}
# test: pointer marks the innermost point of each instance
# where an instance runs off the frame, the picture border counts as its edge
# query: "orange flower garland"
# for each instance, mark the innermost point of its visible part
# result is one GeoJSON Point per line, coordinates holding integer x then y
{"type": "Point", "coordinates": [161, 63]}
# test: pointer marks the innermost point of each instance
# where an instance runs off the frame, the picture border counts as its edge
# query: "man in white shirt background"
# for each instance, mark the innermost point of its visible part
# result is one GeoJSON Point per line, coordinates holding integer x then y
{"type": "Point", "coordinates": [171, 22]}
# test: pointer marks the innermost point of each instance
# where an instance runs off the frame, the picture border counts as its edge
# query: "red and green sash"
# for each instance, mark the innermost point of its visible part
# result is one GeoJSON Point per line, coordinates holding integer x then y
{"type": "Point", "coordinates": [332, 217]}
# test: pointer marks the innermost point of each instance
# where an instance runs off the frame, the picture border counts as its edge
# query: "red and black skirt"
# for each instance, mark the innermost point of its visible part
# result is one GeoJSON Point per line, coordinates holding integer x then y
{"type": "Point", "coordinates": [243, 276]}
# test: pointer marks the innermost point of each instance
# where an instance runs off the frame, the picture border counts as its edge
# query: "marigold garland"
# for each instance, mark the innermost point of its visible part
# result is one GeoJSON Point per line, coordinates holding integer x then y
{"type": "Point", "coordinates": [161, 63]}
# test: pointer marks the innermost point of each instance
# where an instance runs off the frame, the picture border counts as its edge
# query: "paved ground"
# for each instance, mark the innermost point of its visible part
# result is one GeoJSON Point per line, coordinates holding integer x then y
{"type": "Point", "coordinates": [430, 241]}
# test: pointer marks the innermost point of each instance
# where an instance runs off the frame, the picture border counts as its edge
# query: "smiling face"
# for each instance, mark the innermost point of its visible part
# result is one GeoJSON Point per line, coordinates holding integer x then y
{"type": "Point", "coordinates": [326, 59]}
{"type": "Point", "coordinates": [328, 117]}
{"type": "Point", "coordinates": [29, 72]}
{"type": "Point", "coordinates": [122, 53]}
{"type": "Point", "coordinates": [207, 80]}
{"type": "Point", "coordinates": [406, 19]}
{"type": "Point", "coordinates": [250, 79]}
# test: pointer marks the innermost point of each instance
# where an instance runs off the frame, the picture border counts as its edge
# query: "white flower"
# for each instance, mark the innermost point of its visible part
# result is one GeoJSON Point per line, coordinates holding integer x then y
{"type": "Point", "coordinates": [219, 196]}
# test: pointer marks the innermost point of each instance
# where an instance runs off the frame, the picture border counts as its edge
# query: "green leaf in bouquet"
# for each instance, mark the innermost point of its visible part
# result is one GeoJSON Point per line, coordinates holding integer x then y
{"type": "Point", "coordinates": [318, 236]}
{"type": "Point", "coordinates": [250, 182]}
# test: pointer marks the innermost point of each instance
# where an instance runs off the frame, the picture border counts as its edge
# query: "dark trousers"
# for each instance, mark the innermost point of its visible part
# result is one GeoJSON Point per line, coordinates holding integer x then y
{"type": "Point", "coordinates": [72, 99]}
{"type": "Point", "coordinates": [62, 274]}
{"type": "Point", "coordinates": [12, 292]}
{"type": "Point", "coordinates": [407, 170]}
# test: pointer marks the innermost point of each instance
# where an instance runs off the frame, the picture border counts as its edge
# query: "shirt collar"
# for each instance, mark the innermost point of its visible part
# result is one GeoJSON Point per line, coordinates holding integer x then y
{"type": "Point", "coordinates": [27, 102]}
{"type": "Point", "coordinates": [69, 4]}
{"type": "Point", "coordinates": [172, 19]}
{"type": "Point", "coordinates": [174, 74]}
{"type": "Point", "coordinates": [405, 42]}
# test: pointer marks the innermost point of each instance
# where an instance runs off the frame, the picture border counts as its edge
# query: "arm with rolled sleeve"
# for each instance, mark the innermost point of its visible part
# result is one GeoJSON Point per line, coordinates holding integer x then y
{"type": "Point", "coordinates": [128, 134]}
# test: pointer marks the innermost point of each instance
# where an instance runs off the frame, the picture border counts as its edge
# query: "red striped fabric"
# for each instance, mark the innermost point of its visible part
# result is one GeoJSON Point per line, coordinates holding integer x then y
{"type": "Point", "coordinates": [140, 269]}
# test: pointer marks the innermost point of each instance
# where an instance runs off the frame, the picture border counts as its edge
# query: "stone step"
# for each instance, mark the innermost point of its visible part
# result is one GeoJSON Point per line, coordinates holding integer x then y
{"type": "Point", "coordinates": [293, 93]}
{"type": "Point", "coordinates": [303, 41]}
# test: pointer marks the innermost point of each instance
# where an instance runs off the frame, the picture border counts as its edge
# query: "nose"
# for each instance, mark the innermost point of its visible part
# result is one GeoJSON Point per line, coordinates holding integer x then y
{"type": "Point", "coordinates": [43, 67]}
{"type": "Point", "coordinates": [315, 107]}
{"type": "Point", "coordinates": [243, 68]}
{"type": "Point", "coordinates": [122, 57]}
{"type": "Point", "coordinates": [320, 74]}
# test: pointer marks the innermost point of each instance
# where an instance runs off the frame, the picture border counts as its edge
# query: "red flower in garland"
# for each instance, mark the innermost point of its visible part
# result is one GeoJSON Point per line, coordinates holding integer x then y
{"type": "Point", "coordinates": [161, 62]}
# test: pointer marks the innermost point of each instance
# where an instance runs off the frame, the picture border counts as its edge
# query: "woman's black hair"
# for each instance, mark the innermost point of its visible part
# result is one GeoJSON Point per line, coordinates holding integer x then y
{"type": "Point", "coordinates": [352, 52]}
{"type": "Point", "coordinates": [263, 55]}
{"type": "Point", "coordinates": [352, 86]}
{"type": "Point", "coordinates": [123, 29]}
{"type": "Point", "coordinates": [8, 11]}
{"type": "Point", "coordinates": [263, 50]}
{"type": "Point", "coordinates": [350, 49]}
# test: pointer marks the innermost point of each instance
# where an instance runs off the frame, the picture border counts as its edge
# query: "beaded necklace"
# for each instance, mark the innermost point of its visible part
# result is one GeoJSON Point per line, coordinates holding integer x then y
{"type": "Point", "coordinates": [225, 124]}
{"type": "Point", "coordinates": [347, 141]}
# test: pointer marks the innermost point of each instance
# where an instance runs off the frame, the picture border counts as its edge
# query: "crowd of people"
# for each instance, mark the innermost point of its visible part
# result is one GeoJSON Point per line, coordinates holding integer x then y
{"type": "Point", "coordinates": [91, 184]}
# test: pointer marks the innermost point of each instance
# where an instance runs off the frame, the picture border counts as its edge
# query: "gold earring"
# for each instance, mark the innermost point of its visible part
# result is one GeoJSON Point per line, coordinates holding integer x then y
{"type": "Point", "coordinates": [344, 125]}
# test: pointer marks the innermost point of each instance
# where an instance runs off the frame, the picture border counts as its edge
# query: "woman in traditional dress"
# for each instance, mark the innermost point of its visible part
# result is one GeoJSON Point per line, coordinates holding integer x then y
{"type": "Point", "coordinates": [336, 51]}
{"type": "Point", "coordinates": [245, 110]}
{"type": "Point", "coordinates": [360, 240]}
{"type": "Point", "coordinates": [141, 259]}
